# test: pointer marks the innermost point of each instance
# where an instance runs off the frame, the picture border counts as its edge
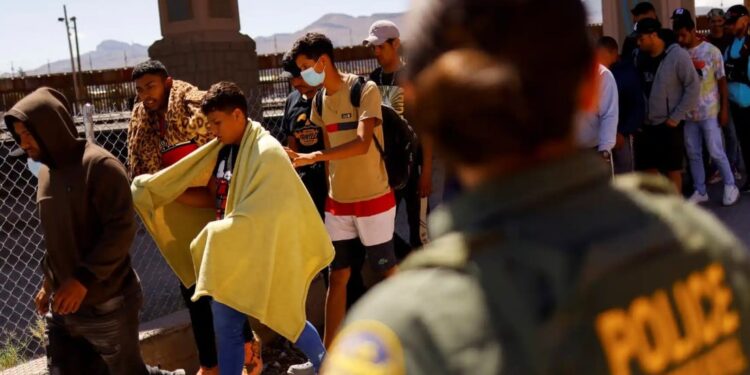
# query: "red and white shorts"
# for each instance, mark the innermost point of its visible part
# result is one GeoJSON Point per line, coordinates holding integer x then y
{"type": "Point", "coordinates": [372, 221]}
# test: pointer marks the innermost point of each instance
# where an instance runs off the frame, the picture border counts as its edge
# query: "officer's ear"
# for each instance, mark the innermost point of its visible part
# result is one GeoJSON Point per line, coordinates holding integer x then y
{"type": "Point", "coordinates": [588, 91]}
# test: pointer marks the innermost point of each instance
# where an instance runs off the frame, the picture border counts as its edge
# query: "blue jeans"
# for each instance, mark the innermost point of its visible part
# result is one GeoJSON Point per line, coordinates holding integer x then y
{"type": "Point", "coordinates": [732, 144]}
{"type": "Point", "coordinates": [229, 323]}
{"type": "Point", "coordinates": [696, 132]}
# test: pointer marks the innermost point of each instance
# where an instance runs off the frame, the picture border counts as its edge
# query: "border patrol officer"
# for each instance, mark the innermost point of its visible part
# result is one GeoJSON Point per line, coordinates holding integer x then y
{"type": "Point", "coordinates": [543, 266]}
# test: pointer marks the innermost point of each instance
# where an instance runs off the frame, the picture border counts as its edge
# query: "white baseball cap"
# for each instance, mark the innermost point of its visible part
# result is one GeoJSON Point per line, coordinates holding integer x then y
{"type": "Point", "coordinates": [380, 32]}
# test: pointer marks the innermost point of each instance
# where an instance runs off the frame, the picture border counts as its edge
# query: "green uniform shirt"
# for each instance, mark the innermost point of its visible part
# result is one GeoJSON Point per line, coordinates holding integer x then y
{"type": "Point", "coordinates": [558, 271]}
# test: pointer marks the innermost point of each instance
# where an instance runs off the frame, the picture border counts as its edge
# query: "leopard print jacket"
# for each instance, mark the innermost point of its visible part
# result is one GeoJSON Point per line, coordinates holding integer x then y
{"type": "Point", "coordinates": [185, 122]}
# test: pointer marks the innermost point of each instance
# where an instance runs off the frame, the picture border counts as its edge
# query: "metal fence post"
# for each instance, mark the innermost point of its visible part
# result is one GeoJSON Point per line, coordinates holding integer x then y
{"type": "Point", "coordinates": [88, 122]}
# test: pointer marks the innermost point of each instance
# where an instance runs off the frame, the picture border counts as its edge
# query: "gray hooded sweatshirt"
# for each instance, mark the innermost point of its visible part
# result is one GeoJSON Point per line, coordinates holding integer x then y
{"type": "Point", "coordinates": [676, 88]}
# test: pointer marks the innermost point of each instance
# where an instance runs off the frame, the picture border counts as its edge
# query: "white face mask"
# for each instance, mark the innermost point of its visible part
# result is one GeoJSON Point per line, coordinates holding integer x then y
{"type": "Point", "coordinates": [33, 166]}
{"type": "Point", "coordinates": [313, 78]}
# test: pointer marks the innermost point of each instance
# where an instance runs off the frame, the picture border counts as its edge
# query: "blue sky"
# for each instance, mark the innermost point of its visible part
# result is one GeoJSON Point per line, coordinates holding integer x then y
{"type": "Point", "coordinates": [32, 35]}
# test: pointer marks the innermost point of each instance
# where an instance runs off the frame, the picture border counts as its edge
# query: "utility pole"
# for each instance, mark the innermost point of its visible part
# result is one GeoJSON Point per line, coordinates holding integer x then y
{"type": "Point", "coordinates": [12, 70]}
{"type": "Point", "coordinates": [70, 49]}
{"type": "Point", "coordinates": [91, 63]}
{"type": "Point", "coordinates": [78, 51]}
{"type": "Point", "coordinates": [125, 55]}
{"type": "Point", "coordinates": [49, 68]}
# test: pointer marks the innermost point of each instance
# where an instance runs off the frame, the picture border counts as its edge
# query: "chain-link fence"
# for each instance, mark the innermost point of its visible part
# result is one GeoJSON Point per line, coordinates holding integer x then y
{"type": "Point", "coordinates": [22, 248]}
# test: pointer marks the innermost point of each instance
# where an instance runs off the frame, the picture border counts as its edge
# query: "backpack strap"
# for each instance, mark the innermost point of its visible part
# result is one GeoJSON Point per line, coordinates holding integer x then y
{"type": "Point", "coordinates": [355, 97]}
{"type": "Point", "coordinates": [318, 100]}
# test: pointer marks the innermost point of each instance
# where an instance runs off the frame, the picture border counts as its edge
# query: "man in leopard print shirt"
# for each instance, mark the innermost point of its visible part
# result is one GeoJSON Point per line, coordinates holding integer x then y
{"type": "Point", "coordinates": [167, 114]}
{"type": "Point", "coordinates": [166, 117]}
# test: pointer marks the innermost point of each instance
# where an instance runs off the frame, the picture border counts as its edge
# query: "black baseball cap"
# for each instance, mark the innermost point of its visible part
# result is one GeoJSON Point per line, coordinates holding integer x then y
{"type": "Point", "coordinates": [290, 67]}
{"type": "Point", "coordinates": [647, 26]}
{"type": "Point", "coordinates": [681, 14]}
{"type": "Point", "coordinates": [734, 13]}
{"type": "Point", "coordinates": [642, 8]}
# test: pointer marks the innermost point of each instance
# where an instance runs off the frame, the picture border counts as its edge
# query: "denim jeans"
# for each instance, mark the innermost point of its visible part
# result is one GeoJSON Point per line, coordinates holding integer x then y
{"type": "Point", "coordinates": [622, 158]}
{"type": "Point", "coordinates": [732, 145]}
{"type": "Point", "coordinates": [101, 339]}
{"type": "Point", "coordinates": [228, 324]}
{"type": "Point", "coordinates": [710, 132]}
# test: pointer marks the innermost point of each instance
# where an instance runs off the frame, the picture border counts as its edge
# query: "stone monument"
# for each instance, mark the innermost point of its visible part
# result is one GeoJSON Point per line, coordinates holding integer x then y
{"type": "Point", "coordinates": [202, 45]}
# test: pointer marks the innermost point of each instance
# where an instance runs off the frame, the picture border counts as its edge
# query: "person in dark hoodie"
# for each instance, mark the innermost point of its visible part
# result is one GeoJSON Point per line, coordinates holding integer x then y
{"type": "Point", "coordinates": [90, 295]}
{"type": "Point", "coordinates": [672, 88]}
{"type": "Point", "coordinates": [631, 102]}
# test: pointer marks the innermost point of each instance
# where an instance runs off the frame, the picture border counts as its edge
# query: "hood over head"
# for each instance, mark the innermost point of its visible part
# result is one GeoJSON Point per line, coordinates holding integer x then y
{"type": "Point", "coordinates": [45, 113]}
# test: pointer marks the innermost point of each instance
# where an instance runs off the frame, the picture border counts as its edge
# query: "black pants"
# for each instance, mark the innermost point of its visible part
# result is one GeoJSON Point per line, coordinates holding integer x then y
{"type": "Point", "coordinates": [101, 339]}
{"type": "Point", "coordinates": [409, 195]}
{"type": "Point", "coordinates": [315, 180]}
{"type": "Point", "coordinates": [741, 117]}
{"type": "Point", "coordinates": [203, 327]}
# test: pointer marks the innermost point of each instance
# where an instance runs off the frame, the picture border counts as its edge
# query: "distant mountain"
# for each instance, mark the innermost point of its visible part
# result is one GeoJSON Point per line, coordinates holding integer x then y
{"type": "Point", "coordinates": [109, 54]}
{"type": "Point", "coordinates": [344, 30]}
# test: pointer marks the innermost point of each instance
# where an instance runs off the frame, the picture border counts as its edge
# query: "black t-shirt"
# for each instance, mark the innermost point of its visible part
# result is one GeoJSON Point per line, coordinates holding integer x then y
{"type": "Point", "coordinates": [721, 43]}
{"type": "Point", "coordinates": [385, 79]}
{"type": "Point", "coordinates": [647, 67]}
{"type": "Point", "coordinates": [223, 176]}
{"type": "Point", "coordinates": [297, 123]}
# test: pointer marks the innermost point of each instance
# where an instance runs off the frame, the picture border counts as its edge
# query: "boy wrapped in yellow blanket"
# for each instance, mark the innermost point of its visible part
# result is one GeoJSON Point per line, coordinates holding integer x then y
{"type": "Point", "coordinates": [255, 238]}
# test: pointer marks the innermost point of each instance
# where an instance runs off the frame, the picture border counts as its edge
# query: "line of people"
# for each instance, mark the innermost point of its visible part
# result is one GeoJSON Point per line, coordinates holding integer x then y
{"type": "Point", "coordinates": [258, 251]}
{"type": "Point", "coordinates": [671, 93]}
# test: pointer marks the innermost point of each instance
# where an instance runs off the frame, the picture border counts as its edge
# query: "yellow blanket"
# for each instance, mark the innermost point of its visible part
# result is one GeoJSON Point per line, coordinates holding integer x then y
{"type": "Point", "coordinates": [261, 258]}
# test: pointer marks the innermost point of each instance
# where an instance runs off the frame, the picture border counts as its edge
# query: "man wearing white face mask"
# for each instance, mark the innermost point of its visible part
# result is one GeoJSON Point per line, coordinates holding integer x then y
{"type": "Point", "coordinates": [31, 165]}
{"type": "Point", "coordinates": [361, 207]}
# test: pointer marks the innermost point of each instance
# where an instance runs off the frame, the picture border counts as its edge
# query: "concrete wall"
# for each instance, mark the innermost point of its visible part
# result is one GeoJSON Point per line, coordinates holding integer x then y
{"type": "Point", "coordinates": [207, 47]}
{"type": "Point", "coordinates": [204, 62]}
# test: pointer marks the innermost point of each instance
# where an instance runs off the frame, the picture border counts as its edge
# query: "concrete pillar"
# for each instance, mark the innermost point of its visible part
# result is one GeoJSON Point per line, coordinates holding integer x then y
{"type": "Point", "coordinates": [618, 22]}
{"type": "Point", "coordinates": [202, 45]}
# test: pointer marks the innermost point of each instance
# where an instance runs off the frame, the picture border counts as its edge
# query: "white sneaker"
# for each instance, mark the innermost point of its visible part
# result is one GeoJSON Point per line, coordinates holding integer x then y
{"type": "Point", "coordinates": [302, 369]}
{"type": "Point", "coordinates": [698, 198]}
{"type": "Point", "coordinates": [731, 194]}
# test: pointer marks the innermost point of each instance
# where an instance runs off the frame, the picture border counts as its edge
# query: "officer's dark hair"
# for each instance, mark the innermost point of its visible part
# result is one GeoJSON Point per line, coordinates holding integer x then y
{"type": "Point", "coordinates": [550, 91]}
{"type": "Point", "coordinates": [313, 45]}
{"type": "Point", "coordinates": [609, 43]}
{"type": "Point", "coordinates": [486, 94]}
{"type": "Point", "coordinates": [683, 23]}
{"type": "Point", "coordinates": [149, 67]}
{"type": "Point", "coordinates": [642, 8]}
{"type": "Point", "coordinates": [224, 96]}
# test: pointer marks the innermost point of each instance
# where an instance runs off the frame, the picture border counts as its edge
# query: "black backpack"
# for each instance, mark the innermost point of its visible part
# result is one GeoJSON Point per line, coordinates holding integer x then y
{"type": "Point", "coordinates": [399, 153]}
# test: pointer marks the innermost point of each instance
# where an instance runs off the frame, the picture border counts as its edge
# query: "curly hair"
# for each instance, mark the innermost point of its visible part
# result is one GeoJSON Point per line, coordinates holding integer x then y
{"type": "Point", "coordinates": [313, 45]}
{"type": "Point", "coordinates": [149, 67]}
{"type": "Point", "coordinates": [224, 96]}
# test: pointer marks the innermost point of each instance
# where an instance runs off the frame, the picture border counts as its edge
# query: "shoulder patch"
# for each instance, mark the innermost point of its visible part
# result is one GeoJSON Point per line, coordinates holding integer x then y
{"type": "Point", "coordinates": [646, 183]}
{"type": "Point", "coordinates": [365, 347]}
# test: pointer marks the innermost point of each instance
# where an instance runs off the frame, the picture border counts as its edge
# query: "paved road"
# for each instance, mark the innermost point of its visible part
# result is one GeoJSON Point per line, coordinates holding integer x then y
{"type": "Point", "coordinates": [736, 217]}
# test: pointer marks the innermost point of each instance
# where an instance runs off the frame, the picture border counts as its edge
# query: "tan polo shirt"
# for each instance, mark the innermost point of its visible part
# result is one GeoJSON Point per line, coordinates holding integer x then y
{"type": "Point", "coordinates": [363, 177]}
